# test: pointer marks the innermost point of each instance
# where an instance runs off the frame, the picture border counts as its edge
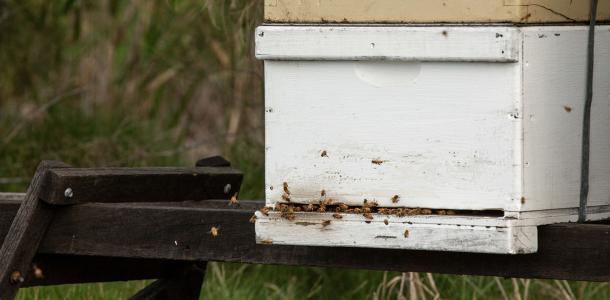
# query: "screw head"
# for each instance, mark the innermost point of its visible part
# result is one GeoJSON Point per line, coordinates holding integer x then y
{"type": "Point", "coordinates": [68, 193]}
{"type": "Point", "coordinates": [227, 188]}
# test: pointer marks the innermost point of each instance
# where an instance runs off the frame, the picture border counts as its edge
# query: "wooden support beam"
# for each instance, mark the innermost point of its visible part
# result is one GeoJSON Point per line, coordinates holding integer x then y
{"type": "Point", "coordinates": [566, 251]}
{"type": "Point", "coordinates": [27, 229]}
{"type": "Point", "coordinates": [184, 284]}
{"type": "Point", "coordinates": [67, 269]}
{"type": "Point", "coordinates": [83, 185]}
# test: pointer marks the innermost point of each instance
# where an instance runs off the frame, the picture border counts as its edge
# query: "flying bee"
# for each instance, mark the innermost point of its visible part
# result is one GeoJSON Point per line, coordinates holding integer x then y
{"type": "Point", "coordinates": [322, 193]}
{"type": "Point", "coordinates": [406, 234]}
{"type": "Point", "coordinates": [214, 231]}
{"type": "Point", "coordinates": [325, 223]}
{"type": "Point", "coordinates": [385, 221]}
{"type": "Point", "coordinates": [337, 216]}
{"type": "Point", "coordinates": [395, 198]}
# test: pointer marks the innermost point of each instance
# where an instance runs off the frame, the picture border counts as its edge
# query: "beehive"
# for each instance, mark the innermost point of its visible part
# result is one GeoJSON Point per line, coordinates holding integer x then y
{"type": "Point", "coordinates": [439, 136]}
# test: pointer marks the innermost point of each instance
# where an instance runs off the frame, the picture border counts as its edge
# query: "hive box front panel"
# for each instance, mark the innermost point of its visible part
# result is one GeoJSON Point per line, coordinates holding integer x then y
{"type": "Point", "coordinates": [467, 118]}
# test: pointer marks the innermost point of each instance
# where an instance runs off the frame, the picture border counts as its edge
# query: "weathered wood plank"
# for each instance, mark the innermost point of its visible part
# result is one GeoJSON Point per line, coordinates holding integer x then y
{"type": "Point", "coordinates": [26, 231]}
{"type": "Point", "coordinates": [67, 269]}
{"type": "Point", "coordinates": [183, 284]}
{"type": "Point", "coordinates": [82, 185]}
{"type": "Point", "coordinates": [132, 230]}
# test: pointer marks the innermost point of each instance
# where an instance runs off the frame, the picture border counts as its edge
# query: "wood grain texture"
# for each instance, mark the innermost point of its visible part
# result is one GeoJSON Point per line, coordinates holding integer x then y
{"type": "Point", "coordinates": [140, 184]}
{"type": "Point", "coordinates": [125, 230]}
{"type": "Point", "coordinates": [432, 11]}
{"type": "Point", "coordinates": [425, 43]}
{"type": "Point", "coordinates": [25, 233]}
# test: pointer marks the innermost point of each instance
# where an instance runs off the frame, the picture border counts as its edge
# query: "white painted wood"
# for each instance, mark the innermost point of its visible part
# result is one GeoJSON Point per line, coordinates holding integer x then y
{"type": "Point", "coordinates": [436, 128]}
{"type": "Point", "coordinates": [426, 43]}
{"type": "Point", "coordinates": [554, 77]}
{"type": "Point", "coordinates": [443, 131]}
{"type": "Point", "coordinates": [376, 234]}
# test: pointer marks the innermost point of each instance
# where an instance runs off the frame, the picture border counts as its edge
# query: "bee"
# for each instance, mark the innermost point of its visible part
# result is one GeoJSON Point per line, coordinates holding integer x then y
{"type": "Point", "coordinates": [286, 197]}
{"type": "Point", "coordinates": [522, 200]}
{"type": "Point", "coordinates": [309, 207]}
{"type": "Point", "coordinates": [395, 198]}
{"type": "Point", "coordinates": [357, 210]}
{"type": "Point", "coordinates": [264, 211]}
{"type": "Point", "coordinates": [337, 216]}
{"type": "Point", "coordinates": [253, 219]}
{"type": "Point", "coordinates": [267, 242]}
{"type": "Point", "coordinates": [16, 277]}
{"type": "Point", "coordinates": [233, 201]}
{"type": "Point", "coordinates": [324, 154]}
{"type": "Point", "coordinates": [450, 212]}
{"type": "Point", "coordinates": [426, 211]}
{"type": "Point", "coordinates": [322, 193]}
{"type": "Point", "coordinates": [322, 207]}
{"type": "Point", "coordinates": [214, 231]}
{"type": "Point", "coordinates": [325, 223]}
{"type": "Point", "coordinates": [37, 272]}
{"type": "Point", "coordinates": [288, 216]}
{"type": "Point", "coordinates": [441, 212]}
{"type": "Point", "coordinates": [377, 161]}
{"type": "Point", "coordinates": [343, 206]}
{"type": "Point", "coordinates": [406, 234]}
{"type": "Point", "coordinates": [286, 188]}
{"type": "Point", "coordinates": [368, 215]}
{"type": "Point", "coordinates": [385, 221]}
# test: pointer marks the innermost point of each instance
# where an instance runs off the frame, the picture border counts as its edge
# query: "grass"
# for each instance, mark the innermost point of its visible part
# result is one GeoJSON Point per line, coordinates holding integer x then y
{"type": "Point", "coordinates": [164, 82]}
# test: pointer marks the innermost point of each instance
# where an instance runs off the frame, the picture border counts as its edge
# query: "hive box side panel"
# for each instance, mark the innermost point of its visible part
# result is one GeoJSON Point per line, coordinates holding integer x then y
{"type": "Point", "coordinates": [436, 134]}
{"type": "Point", "coordinates": [554, 78]}
{"type": "Point", "coordinates": [431, 11]}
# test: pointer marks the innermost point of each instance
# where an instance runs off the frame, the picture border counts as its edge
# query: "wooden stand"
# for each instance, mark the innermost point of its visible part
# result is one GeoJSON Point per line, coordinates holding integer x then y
{"type": "Point", "coordinates": [56, 186]}
{"type": "Point", "coordinates": [76, 241]}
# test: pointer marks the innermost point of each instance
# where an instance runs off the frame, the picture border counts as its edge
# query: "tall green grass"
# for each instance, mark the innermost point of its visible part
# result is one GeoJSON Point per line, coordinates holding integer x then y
{"type": "Point", "coordinates": [164, 82]}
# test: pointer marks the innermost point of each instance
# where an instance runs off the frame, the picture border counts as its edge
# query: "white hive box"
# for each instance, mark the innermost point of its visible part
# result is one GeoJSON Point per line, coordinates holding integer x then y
{"type": "Point", "coordinates": [483, 120]}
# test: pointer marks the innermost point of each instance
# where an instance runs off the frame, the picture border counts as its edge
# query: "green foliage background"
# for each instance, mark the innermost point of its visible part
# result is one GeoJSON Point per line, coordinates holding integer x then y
{"type": "Point", "coordinates": [164, 82]}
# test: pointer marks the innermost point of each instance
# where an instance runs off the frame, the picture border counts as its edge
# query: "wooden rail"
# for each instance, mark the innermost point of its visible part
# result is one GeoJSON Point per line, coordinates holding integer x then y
{"type": "Point", "coordinates": [87, 235]}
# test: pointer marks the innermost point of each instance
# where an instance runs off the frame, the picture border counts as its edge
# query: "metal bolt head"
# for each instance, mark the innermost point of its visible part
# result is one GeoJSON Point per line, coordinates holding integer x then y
{"type": "Point", "coordinates": [227, 188]}
{"type": "Point", "coordinates": [68, 193]}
